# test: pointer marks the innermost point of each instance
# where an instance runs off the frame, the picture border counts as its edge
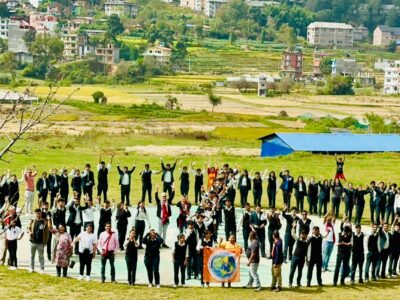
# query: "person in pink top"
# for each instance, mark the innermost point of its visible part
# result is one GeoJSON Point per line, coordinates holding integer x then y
{"type": "Point", "coordinates": [108, 245]}
{"type": "Point", "coordinates": [29, 178]}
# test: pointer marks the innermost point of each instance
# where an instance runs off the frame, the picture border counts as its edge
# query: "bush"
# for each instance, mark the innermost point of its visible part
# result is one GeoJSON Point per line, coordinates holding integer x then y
{"type": "Point", "coordinates": [339, 85]}
{"type": "Point", "coordinates": [97, 96]}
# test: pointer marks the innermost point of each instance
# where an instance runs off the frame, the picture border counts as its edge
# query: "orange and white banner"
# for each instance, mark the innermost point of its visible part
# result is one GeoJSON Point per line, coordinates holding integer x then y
{"type": "Point", "coordinates": [221, 265]}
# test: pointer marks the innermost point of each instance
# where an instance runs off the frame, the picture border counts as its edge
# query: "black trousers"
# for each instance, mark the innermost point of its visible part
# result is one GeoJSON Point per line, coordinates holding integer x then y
{"type": "Point", "coordinates": [184, 189]}
{"type": "Point", "coordinates": [64, 271]}
{"type": "Point", "coordinates": [43, 194]}
{"type": "Point", "coordinates": [197, 194]}
{"type": "Point", "coordinates": [312, 204]}
{"type": "Point", "coordinates": [246, 234]}
{"type": "Point", "coordinates": [131, 264]}
{"type": "Point", "coordinates": [394, 259]}
{"type": "Point", "coordinates": [48, 246]}
{"type": "Point", "coordinates": [384, 258]}
{"type": "Point", "coordinates": [372, 259]}
{"type": "Point", "coordinates": [192, 267]}
{"type": "Point", "coordinates": [74, 231]}
{"type": "Point", "coordinates": [12, 250]}
{"type": "Point", "coordinates": [317, 262]}
{"type": "Point", "coordinates": [270, 240]}
{"type": "Point", "coordinates": [167, 188]}
{"type": "Point", "coordinates": [139, 227]}
{"type": "Point", "coordinates": [179, 265]}
{"type": "Point", "coordinates": [85, 260]}
{"type": "Point", "coordinates": [122, 228]}
{"type": "Point", "coordinates": [244, 192]}
{"type": "Point", "coordinates": [341, 259]}
{"type": "Point", "coordinates": [88, 189]}
{"type": "Point", "coordinates": [271, 198]}
{"type": "Point", "coordinates": [357, 261]}
{"type": "Point", "coordinates": [53, 194]}
{"type": "Point", "coordinates": [146, 188]}
{"type": "Point", "coordinates": [286, 197]}
{"type": "Point", "coordinates": [102, 189]}
{"type": "Point", "coordinates": [230, 230]}
{"type": "Point", "coordinates": [297, 263]}
{"type": "Point", "coordinates": [125, 191]}
{"type": "Point", "coordinates": [152, 265]}
{"type": "Point", "coordinates": [257, 195]}
{"type": "Point", "coordinates": [64, 194]}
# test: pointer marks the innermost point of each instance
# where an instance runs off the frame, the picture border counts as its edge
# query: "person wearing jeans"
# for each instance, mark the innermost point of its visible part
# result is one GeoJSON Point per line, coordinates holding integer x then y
{"type": "Point", "coordinates": [108, 245]}
{"type": "Point", "coordinates": [329, 242]}
{"type": "Point", "coordinates": [372, 254]}
{"type": "Point", "coordinates": [87, 250]}
{"type": "Point", "coordinates": [288, 239]}
{"type": "Point", "coordinates": [38, 230]}
{"type": "Point", "coordinates": [164, 213]}
{"type": "Point", "coordinates": [153, 243]}
{"type": "Point", "coordinates": [253, 254]}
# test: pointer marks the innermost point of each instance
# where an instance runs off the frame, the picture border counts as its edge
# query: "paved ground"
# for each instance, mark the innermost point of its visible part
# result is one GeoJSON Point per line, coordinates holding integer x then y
{"type": "Point", "coordinates": [166, 267]}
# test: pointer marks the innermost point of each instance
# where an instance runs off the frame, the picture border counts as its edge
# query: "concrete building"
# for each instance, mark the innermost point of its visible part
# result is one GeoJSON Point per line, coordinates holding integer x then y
{"type": "Point", "coordinates": [43, 22]}
{"type": "Point", "coordinates": [160, 53]}
{"type": "Point", "coordinates": [71, 40]}
{"type": "Point", "coordinates": [384, 35]}
{"type": "Point", "coordinates": [120, 8]}
{"type": "Point", "coordinates": [211, 7]}
{"type": "Point", "coordinates": [360, 33]}
{"type": "Point", "coordinates": [108, 54]}
{"type": "Point", "coordinates": [391, 84]}
{"type": "Point", "coordinates": [16, 43]}
{"type": "Point", "coordinates": [330, 34]}
{"type": "Point", "coordinates": [345, 67]}
{"type": "Point", "coordinates": [292, 65]}
{"type": "Point", "coordinates": [317, 58]}
{"type": "Point", "coordinates": [382, 64]}
{"type": "Point", "coordinates": [4, 28]}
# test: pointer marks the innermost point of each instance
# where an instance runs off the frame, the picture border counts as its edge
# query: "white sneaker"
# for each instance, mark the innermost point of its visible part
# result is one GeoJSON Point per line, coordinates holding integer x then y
{"type": "Point", "coordinates": [87, 278]}
{"type": "Point", "coordinates": [41, 271]}
{"type": "Point", "coordinates": [150, 285]}
{"type": "Point", "coordinates": [30, 270]}
{"type": "Point", "coordinates": [183, 285]}
{"type": "Point", "coordinates": [80, 277]}
{"type": "Point", "coordinates": [174, 286]}
{"type": "Point", "coordinates": [158, 286]}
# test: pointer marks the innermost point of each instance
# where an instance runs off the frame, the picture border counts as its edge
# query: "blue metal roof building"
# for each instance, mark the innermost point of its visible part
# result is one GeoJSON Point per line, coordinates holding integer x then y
{"type": "Point", "coordinates": [277, 144]}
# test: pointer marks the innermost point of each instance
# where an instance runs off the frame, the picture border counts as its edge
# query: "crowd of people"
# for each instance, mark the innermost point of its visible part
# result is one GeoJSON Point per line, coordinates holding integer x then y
{"type": "Point", "coordinates": [63, 227]}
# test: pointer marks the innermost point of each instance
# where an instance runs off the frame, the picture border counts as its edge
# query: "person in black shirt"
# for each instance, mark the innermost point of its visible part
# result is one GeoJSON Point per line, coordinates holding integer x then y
{"type": "Point", "coordinates": [42, 187]}
{"type": "Point", "coordinates": [337, 193]}
{"type": "Point", "coordinates": [274, 224]}
{"type": "Point", "coordinates": [125, 182]}
{"type": "Point", "coordinates": [198, 183]}
{"type": "Point", "coordinates": [192, 237]}
{"type": "Point", "coordinates": [291, 219]}
{"type": "Point", "coordinates": [153, 243]}
{"type": "Point", "coordinates": [339, 168]}
{"type": "Point", "coordinates": [131, 256]}
{"type": "Point", "coordinates": [271, 189]}
{"type": "Point", "coordinates": [146, 182]}
{"type": "Point", "coordinates": [343, 255]}
{"type": "Point", "coordinates": [58, 213]}
{"type": "Point", "coordinates": [184, 178]}
{"type": "Point", "coordinates": [105, 215]}
{"type": "Point", "coordinates": [245, 225]}
{"type": "Point", "coordinates": [323, 197]}
{"type": "Point", "coordinates": [372, 254]}
{"type": "Point", "coordinates": [314, 257]}
{"type": "Point", "coordinates": [64, 186]}
{"type": "Point", "coordinates": [299, 256]}
{"type": "Point", "coordinates": [54, 181]}
{"type": "Point", "coordinates": [102, 177]}
{"type": "Point", "coordinates": [349, 200]}
{"type": "Point", "coordinates": [257, 224]}
{"type": "Point", "coordinates": [230, 219]}
{"type": "Point", "coordinates": [300, 191]}
{"type": "Point", "coordinates": [205, 242]}
{"type": "Point", "coordinates": [286, 186]}
{"type": "Point", "coordinates": [394, 247]}
{"type": "Point", "coordinates": [244, 186]}
{"type": "Point", "coordinates": [359, 203]}
{"type": "Point", "coordinates": [13, 190]}
{"type": "Point", "coordinates": [390, 194]}
{"type": "Point", "coordinates": [180, 259]}
{"type": "Point", "coordinates": [357, 259]}
{"type": "Point", "coordinates": [167, 176]}
{"type": "Point", "coordinates": [257, 188]}
{"type": "Point", "coordinates": [123, 214]}
{"type": "Point", "coordinates": [312, 196]}
{"type": "Point", "coordinates": [88, 181]}
{"type": "Point", "coordinates": [76, 183]}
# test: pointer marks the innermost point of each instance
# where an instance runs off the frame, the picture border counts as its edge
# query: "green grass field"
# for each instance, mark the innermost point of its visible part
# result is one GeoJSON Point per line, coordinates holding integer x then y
{"type": "Point", "coordinates": [22, 285]}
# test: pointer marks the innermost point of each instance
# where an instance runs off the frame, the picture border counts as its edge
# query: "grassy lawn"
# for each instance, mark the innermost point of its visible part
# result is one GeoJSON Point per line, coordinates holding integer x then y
{"type": "Point", "coordinates": [59, 150]}
{"type": "Point", "coordinates": [22, 285]}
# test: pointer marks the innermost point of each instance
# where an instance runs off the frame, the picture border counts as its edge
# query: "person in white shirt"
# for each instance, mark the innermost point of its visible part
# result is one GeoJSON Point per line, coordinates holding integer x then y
{"type": "Point", "coordinates": [125, 182]}
{"type": "Point", "coordinates": [140, 216]}
{"type": "Point", "coordinates": [87, 250]}
{"type": "Point", "coordinates": [397, 202]}
{"type": "Point", "coordinates": [88, 212]}
{"type": "Point", "coordinates": [13, 233]}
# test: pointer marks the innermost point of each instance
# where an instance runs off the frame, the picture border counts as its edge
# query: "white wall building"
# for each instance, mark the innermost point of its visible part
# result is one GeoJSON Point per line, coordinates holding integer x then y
{"type": "Point", "coordinates": [4, 28]}
{"type": "Point", "coordinates": [391, 84]}
{"type": "Point", "coordinates": [330, 34]}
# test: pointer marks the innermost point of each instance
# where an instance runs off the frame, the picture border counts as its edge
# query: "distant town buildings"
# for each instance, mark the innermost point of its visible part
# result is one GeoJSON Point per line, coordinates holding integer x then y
{"type": "Point", "coordinates": [382, 64]}
{"type": "Point", "coordinates": [330, 34]}
{"type": "Point", "coordinates": [345, 67]}
{"type": "Point", "coordinates": [384, 35]}
{"type": "Point", "coordinates": [160, 53]}
{"type": "Point", "coordinates": [43, 22]}
{"type": "Point", "coordinates": [207, 7]}
{"type": "Point", "coordinates": [292, 64]}
{"type": "Point", "coordinates": [4, 28]}
{"type": "Point", "coordinates": [120, 8]}
{"type": "Point", "coordinates": [17, 30]}
{"type": "Point", "coordinates": [317, 58]}
{"type": "Point", "coordinates": [391, 84]}
{"type": "Point", "coordinates": [360, 33]}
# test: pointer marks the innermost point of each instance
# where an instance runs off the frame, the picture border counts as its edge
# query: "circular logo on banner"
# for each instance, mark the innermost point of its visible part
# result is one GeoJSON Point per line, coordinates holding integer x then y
{"type": "Point", "coordinates": [222, 265]}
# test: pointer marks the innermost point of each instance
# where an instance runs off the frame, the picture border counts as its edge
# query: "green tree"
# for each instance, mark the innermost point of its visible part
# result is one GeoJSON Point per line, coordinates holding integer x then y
{"type": "Point", "coordinates": [46, 51]}
{"type": "Point", "coordinates": [286, 34]}
{"type": "Point", "coordinates": [208, 89]}
{"type": "Point", "coordinates": [8, 64]}
{"type": "Point", "coordinates": [392, 47]}
{"type": "Point", "coordinates": [97, 96]}
{"type": "Point", "coordinates": [114, 27]}
{"type": "Point", "coordinates": [339, 85]}
{"type": "Point", "coordinates": [325, 66]}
